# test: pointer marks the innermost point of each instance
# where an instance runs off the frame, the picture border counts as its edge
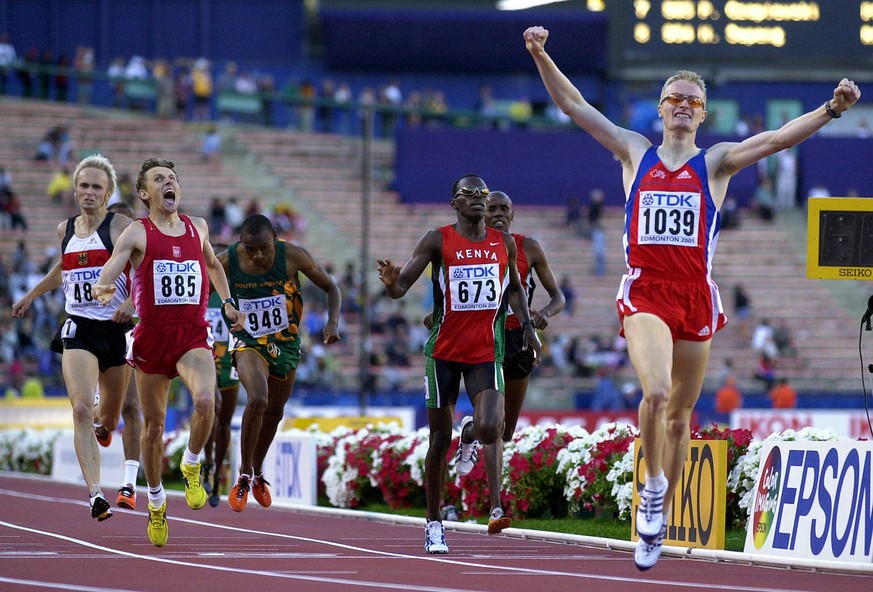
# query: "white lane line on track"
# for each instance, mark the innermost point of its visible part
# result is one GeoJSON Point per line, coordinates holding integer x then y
{"type": "Point", "coordinates": [233, 570]}
{"type": "Point", "coordinates": [58, 586]}
{"type": "Point", "coordinates": [439, 559]}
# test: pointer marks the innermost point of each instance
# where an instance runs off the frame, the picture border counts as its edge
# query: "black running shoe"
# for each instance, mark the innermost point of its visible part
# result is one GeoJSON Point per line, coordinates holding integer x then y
{"type": "Point", "coordinates": [100, 508]}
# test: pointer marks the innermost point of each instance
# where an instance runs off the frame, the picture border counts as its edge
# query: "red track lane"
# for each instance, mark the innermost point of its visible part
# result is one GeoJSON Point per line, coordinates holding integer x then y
{"type": "Point", "coordinates": [48, 541]}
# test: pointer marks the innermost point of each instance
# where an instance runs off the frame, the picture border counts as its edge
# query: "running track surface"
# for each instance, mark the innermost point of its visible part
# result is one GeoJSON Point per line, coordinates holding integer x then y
{"type": "Point", "coordinates": [48, 541]}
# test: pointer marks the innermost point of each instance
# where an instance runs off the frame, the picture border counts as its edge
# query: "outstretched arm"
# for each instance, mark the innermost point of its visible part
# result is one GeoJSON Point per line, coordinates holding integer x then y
{"type": "Point", "coordinates": [132, 240]}
{"type": "Point", "coordinates": [398, 280]}
{"type": "Point", "coordinates": [728, 158]}
{"type": "Point", "coordinates": [49, 282]}
{"type": "Point", "coordinates": [621, 142]}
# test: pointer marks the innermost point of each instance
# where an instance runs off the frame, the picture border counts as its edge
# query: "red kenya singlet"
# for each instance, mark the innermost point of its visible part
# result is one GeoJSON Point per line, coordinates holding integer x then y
{"type": "Point", "coordinates": [468, 290]}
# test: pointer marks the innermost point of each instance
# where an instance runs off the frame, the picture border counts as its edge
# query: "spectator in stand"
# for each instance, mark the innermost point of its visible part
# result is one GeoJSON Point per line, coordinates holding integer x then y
{"type": "Point", "coordinates": [83, 62]}
{"type": "Point", "coordinates": [201, 86]}
{"type": "Point", "coordinates": [115, 72]}
{"type": "Point", "coordinates": [60, 187]}
{"type": "Point", "coordinates": [764, 201]}
{"type": "Point", "coordinates": [783, 395]}
{"type": "Point", "coordinates": [217, 218]}
{"type": "Point", "coordinates": [595, 206]}
{"type": "Point", "coordinates": [730, 212]}
{"type": "Point", "coordinates": [782, 339]}
{"type": "Point", "coordinates": [786, 179]}
{"type": "Point", "coordinates": [607, 396]}
{"type": "Point", "coordinates": [182, 91]}
{"type": "Point", "coordinates": [573, 217]}
{"type": "Point", "coordinates": [126, 192]}
{"type": "Point", "coordinates": [390, 99]}
{"type": "Point", "coordinates": [62, 79]}
{"type": "Point", "coordinates": [7, 61]}
{"type": "Point", "coordinates": [743, 310]}
{"type": "Point", "coordinates": [819, 190]}
{"type": "Point", "coordinates": [728, 396]}
{"type": "Point", "coordinates": [210, 147]}
{"type": "Point", "coordinates": [306, 110]}
{"type": "Point", "coordinates": [413, 106]}
{"type": "Point", "coordinates": [27, 70]}
{"type": "Point", "coordinates": [324, 112]}
{"type": "Point", "coordinates": [765, 371]}
{"type": "Point", "coordinates": [5, 179]}
{"type": "Point", "coordinates": [267, 89]}
{"type": "Point", "coordinates": [762, 340]}
{"type": "Point", "coordinates": [12, 206]}
{"type": "Point", "coordinates": [227, 80]}
{"type": "Point", "coordinates": [569, 295]}
{"type": "Point", "coordinates": [342, 97]}
{"type": "Point", "coordinates": [165, 93]}
{"type": "Point", "coordinates": [435, 106]}
{"type": "Point", "coordinates": [234, 214]}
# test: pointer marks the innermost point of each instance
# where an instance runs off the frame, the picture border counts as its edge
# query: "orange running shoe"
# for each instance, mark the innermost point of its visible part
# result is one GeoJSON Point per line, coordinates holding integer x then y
{"type": "Point", "coordinates": [126, 498]}
{"type": "Point", "coordinates": [239, 494]}
{"type": "Point", "coordinates": [261, 491]}
{"type": "Point", "coordinates": [104, 436]}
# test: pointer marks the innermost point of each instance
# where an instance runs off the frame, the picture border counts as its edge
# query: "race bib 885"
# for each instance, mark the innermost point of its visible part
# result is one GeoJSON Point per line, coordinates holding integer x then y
{"type": "Point", "coordinates": [177, 282]}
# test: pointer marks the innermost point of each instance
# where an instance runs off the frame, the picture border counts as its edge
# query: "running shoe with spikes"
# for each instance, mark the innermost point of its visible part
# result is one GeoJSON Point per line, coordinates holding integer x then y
{"type": "Point", "coordinates": [450, 513]}
{"type": "Point", "coordinates": [646, 554]}
{"type": "Point", "coordinates": [104, 436]}
{"type": "Point", "coordinates": [498, 521]}
{"type": "Point", "coordinates": [239, 494]}
{"type": "Point", "coordinates": [215, 495]}
{"type": "Point", "coordinates": [650, 513]}
{"type": "Point", "coordinates": [261, 491]}
{"type": "Point", "coordinates": [435, 538]}
{"type": "Point", "coordinates": [468, 452]}
{"type": "Point", "coordinates": [100, 508]}
{"type": "Point", "coordinates": [194, 493]}
{"type": "Point", "coordinates": [206, 470]}
{"type": "Point", "coordinates": [158, 530]}
{"type": "Point", "coordinates": [126, 497]}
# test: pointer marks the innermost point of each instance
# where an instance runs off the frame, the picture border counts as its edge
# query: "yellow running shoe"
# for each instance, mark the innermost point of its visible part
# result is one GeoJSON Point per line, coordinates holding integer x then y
{"type": "Point", "coordinates": [158, 530]}
{"type": "Point", "coordinates": [195, 495]}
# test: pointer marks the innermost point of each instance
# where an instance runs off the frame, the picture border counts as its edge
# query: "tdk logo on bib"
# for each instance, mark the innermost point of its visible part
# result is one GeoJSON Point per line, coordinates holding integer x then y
{"type": "Point", "coordinates": [83, 275]}
{"type": "Point", "coordinates": [670, 199]}
{"type": "Point", "coordinates": [181, 267]}
{"type": "Point", "coordinates": [263, 303]}
{"type": "Point", "coordinates": [474, 272]}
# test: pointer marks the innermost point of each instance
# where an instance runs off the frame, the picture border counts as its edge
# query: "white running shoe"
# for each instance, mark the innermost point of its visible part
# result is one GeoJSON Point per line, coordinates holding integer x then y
{"type": "Point", "coordinates": [650, 513]}
{"type": "Point", "coordinates": [646, 554]}
{"type": "Point", "coordinates": [468, 453]}
{"type": "Point", "coordinates": [435, 538]}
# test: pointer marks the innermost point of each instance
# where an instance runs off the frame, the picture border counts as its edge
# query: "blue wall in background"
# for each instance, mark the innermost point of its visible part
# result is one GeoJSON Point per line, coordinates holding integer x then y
{"type": "Point", "coordinates": [459, 41]}
{"type": "Point", "coordinates": [533, 167]}
{"type": "Point", "coordinates": [262, 31]}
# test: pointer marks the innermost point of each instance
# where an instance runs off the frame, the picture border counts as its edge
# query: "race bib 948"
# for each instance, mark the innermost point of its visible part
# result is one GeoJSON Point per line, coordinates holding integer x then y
{"type": "Point", "coordinates": [668, 218]}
